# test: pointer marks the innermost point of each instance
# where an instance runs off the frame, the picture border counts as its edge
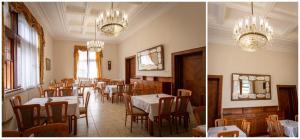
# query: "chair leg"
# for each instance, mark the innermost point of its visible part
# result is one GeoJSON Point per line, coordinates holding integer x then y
{"type": "Point", "coordinates": [142, 119]}
{"type": "Point", "coordinates": [131, 123]}
{"type": "Point", "coordinates": [86, 119]}
{"type": "Point", "coordinates": [159, 126]}
{"type": "Point", "coordinates": [170, 125]}
{"type": "Point", "coordinates": [176, 124]}
{"type": "Point", "coordinates": [125, 118]}
{"type": "Point", "coordinates": [185, 118]}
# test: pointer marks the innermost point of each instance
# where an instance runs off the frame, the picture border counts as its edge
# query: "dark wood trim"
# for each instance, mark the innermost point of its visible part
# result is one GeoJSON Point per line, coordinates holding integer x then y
{"type": "Point", "coordinates": [220, 78]}
{"type": "Point", "coordinates": [127, 79]}
{"type": "Point", "coordinates": [180, 53]}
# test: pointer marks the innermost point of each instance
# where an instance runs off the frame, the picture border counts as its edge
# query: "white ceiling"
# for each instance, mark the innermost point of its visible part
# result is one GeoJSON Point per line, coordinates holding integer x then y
{"type": "Point", "coordinates": [283, 17]}
{"type": "Point", "coordinates": [76, 20]}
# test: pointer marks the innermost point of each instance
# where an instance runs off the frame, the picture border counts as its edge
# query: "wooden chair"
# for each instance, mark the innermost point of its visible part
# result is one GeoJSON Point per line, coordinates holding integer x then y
{"type": "Point", "coordinates": [15, 101]}
{"type": "Point", "coordinates": [273, 117]}
{"type": "Point", "coordinates": [270, 130]}
{"type": "Point", "coordinates": [104, 94]}
{"type": "Point", "coordinates": [83, 110]}
{"type": "Point", "coordinates": [66, 91]}
{"type": "Point", "coordinates": [11, 134]}
{"type": "Point", "coordinates": [277, 128]}
{"type": "Point", "coordinates": [199, 113]}
{"type": "Point", "coordinates": [119, 93]}
{"type": "Point", "coordinates": [49, 130]}
{"type": "Point", "coordinates": [184, 92]}
{"type": "Point", "coordinates": [296, 117]}
{"type": "Point", "coordinates": [246, 127]}
{"type": "Point", "coordinates": [181, 111]}
{"type": "Point", "coordinates": [27, 116]}
{"type": "Point", "coordinates": [57, 112]}
{"type": "Point", "coordinates": [164, 112]}
{"type": "Point", "coordinates": [50, 92]}
{"type": "Point", "coordinates": [220, 122]}
{"type": "Point", "coordinates": [129, 89]}
{"type": "Point", "coordinates": [229, 134]}
{"type": "Point", "coordinates": [133, 112]}
{"type": "Point", "coordinates": [41, 91]}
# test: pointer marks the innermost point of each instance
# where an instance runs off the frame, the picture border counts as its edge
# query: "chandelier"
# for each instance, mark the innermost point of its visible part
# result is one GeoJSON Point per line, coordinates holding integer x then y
{"type": "Point", "coordinates": [95, 45]}
{"type": "Point", "coordinates": [112, 22]}
{"type": "Point", "coordinates": [252, 33]}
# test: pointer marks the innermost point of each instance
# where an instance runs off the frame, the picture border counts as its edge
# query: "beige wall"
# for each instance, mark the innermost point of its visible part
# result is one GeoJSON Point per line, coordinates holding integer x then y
{"type": "Point", "coordinates": [48, 75]}
{"type": "Point", "coordinates": [225, 60]}
{"type": "Point", "coordinates": [180, 28]}
{"type": "Point", "coordinates": [64, 59]}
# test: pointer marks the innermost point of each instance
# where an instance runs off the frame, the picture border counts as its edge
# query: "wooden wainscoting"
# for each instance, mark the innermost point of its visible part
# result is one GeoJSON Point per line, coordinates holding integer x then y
{"type": "Point", "coordinates": [255, 115]}
{"type": "Point", "coordinates": [162, 84]}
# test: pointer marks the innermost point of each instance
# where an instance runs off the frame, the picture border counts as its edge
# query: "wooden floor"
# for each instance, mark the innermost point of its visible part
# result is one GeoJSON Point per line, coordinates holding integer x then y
{"type": "Point", "coordinates": [107, 120]}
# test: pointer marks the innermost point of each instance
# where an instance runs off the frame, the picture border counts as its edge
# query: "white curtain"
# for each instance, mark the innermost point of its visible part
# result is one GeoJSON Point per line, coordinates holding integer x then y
{"type": "Point", "coordinates": [87, 67]}
{"type": "Point", "coordinates": [27, 55]}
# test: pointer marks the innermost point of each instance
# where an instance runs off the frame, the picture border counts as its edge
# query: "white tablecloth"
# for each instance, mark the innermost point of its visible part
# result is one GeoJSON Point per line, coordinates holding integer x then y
{"type": "Point", "coordinates": [290, 127]}
{"type": "Point", "coordinates": [111, 89]}
{"type": "Point", "coordinates": [73, 104]}
{"type": "Point", "coordinates": [213, 131]}
{"type": "Point", "coordinates": [101, 85]}
{"type": "Point", "coordinates": [149, 103]}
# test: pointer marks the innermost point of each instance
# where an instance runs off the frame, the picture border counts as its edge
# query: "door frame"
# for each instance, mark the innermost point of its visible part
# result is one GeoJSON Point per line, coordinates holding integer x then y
{"type": "Point", "coordinates": [291, 87]}
{"type": "Point", "coordinates": [220, 79]}
{"type": "Point", "coordinates": [127, 65]}
{"type": "Point", "coordinates": [182, 53]}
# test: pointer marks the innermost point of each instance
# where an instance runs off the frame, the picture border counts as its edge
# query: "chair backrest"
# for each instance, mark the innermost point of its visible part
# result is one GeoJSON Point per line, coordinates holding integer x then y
{"type": "Point", "coordinates": [269, 127]}
{"type": "Point", "coordinates": [49, 130]}
{"type": "Point", "coordinates": [200, 115]}
{"type": "Point", "coordinates": [128, 104]}
{"type": "Point", "coordinates": [57, 112]}
{"type": "Point", "coordinates": [11, 134]}
{"type": "Point", "coordinates": [246, 127]}
{"type": "Point", "coordinates": [120, 88]}
{"type": "Point", "coordinates": [273, 117]}
{"type": "Point", "coordinates": [182, 104]}
{"type": "Point", "coordinates": [296, 117]}
{"type": "Point", "coordinates": [15, 101]}
{"type": "Point", "coordinates": [184, 92]}
{"type": "Point", "coordinates": [165, 105]}
{"type": "Point", "coordinates": [220, 122]}
{"type": "Point", "coordinates": [129, 89]}
{"type": "Point", "coordinates": [49, 92]}
{"type": "Point", "coordinates": [277, 128]}
{"type": "Point", "coordinates": [27, 116]}
{"type": "Point", "coordinates": [81, 88]}
{"type": "Point", "coordinates": [66, 91]}
{"type": "Point", "coordinates": [87, 100]}
{"type": "Point", "coordinates": [229, 134]}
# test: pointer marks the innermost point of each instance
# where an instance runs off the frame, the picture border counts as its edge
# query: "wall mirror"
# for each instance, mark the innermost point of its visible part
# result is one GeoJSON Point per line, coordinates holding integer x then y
{"type": "Point", "coordinates": [151, 59]}
{"type": "Point", "coordinates": [250, 87]}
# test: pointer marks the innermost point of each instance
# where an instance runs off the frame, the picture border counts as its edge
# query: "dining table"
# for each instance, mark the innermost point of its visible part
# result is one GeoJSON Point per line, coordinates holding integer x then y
{"type": "Point", "coordinates": [199, 131]}
{"type": "Point", "coordinates": [213, 131]}
{"type": "Point", "coordinates": [73, 106]}
{"type": "Point", "coordinates": [290, 127]}
{"type": "Point", "coordinates": [149, 104]}
{"type": "Point", "coordinates": [101, 85]}
{"type": "Point", "coordinates": [110, 89]}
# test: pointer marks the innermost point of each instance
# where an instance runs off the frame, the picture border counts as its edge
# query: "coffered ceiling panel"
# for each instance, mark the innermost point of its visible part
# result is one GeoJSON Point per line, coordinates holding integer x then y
{"type": "Point", "coordinates": [76, 20]}
{"type": "Point", "coordinates": [283, 17]}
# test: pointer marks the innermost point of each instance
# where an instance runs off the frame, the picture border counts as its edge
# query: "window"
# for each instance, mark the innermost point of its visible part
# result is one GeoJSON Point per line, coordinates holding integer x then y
{"type": "Point", "coordinates": [21, 66]}
{"type": "Point", "coordinates": [87, 66]}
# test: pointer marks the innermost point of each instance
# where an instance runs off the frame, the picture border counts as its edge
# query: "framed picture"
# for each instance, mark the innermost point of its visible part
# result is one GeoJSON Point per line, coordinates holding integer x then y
{"type": "Point", "coordinates": [48, 64]}
{"type": "Point", "coordinates": [151, 59]}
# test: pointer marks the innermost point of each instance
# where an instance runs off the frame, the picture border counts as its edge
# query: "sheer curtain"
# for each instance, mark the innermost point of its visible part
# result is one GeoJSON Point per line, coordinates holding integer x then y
{"type": "Point", "coordinates": [86, 66]}
{"type": "Point", "coordinates": [27, 57]}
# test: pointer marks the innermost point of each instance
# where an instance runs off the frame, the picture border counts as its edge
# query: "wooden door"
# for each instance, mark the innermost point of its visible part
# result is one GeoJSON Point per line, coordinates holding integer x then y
{"type": "Point", "coordinates": [189, 73]}
{"type": "Point", "coordinates": [288, 100]}
{"type": "Point", "coordinates": [214, 89]}
{"type": "Point", "coordinates": [130, 67]}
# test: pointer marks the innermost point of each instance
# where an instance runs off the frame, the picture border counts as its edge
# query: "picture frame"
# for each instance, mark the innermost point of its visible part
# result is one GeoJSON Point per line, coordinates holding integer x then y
{"type": "Point", "coordinates": [48, 64]}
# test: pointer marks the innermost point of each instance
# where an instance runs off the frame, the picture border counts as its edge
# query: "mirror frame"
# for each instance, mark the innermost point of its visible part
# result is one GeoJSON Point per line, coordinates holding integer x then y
{"type": "Point", "coordinates": [149, 49]}
{"type": "Point", "coordinates": [257, 75]}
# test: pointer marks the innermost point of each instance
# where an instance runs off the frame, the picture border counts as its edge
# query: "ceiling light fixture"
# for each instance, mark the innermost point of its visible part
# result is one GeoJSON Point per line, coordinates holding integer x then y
{"type": "Point", "coordinates": [95, 45]}
{"type": "Point", "coordinates": [253, 32]}
{"type": "Point", "coordinates": [112, 22]}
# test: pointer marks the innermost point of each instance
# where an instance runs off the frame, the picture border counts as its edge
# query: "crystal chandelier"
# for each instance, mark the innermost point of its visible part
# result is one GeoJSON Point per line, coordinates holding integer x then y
{"type": "Point", "coordinates": [112, 22]}
{"type": "Point", "coordinates": [95, 45]}
{"type": "Point", "coordinates": [252, 33]}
